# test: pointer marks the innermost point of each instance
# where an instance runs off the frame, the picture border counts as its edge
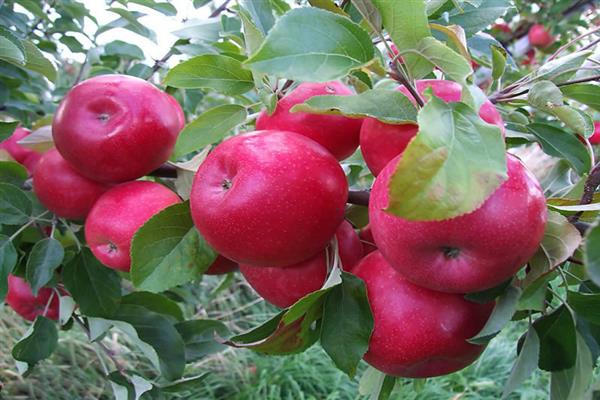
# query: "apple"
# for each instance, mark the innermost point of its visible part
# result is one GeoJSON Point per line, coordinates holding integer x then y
{"type": "Point", "coordinates": [118, 214]}
{"type": "Point", "coordinates": [21, 154]}
{"type": "Point", "coordinates": [115, 128]}
{"type": "Point", "coordinates": [221, 266]}
{"type": "Point", "coordinates": [469, 253]}
{"type": "Point", "coordinates": [417, 333]}
{"type": "Point", "coordinates": [63, 190]}
{"type": "Point", "coordinates": [380, 142]}
{"type": "Point", "coordinates": [529, 58]}
{"type": "Point", "coordinates": [270, 198]}
{"type": "Point", "coordinates": [21, 299]}
{"type": "Point", "coordinates": [539, 36]}
{"type": "Point", "coordinates": [595, 138]}
{"type": "Point", "coordinates": [366, 238]}
{"type": "Point", "coordinates": [283, 286]}
{"type": "Point", "coordinates": [336, 133]}
{"type": "Point", "coordinates": [502, 27]}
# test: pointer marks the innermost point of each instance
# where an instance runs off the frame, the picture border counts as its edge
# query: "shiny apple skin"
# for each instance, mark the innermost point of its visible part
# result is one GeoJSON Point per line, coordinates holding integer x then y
{"type": "Point", "coordinates": [63, 190]}
{"type": "Point", "coordinates": [283, 286]}
{"type": "Point", "coordinates": [118, 214]}
{"type": "Point", "coordinates": [418, 333]}
{"type": "Point", "coordinates": [21, 154]}
{"type": "Point", "coordinates": [492, 243]}
{"type": "Point", "coordinates": [270, 198]}
{"type": "Point", "coordinates": [336, 133]}
{"type": "Point", "coordinates": [539, 36]}
{"type": "Point", "coordinates": [380, 142]}
{"type": "Point", "coordinates": [115, 128]}
{"type": "Point", "coordinates": [595, 138]}
{"type": "Point", "coordinates": [21, 299]}
{"type": "Point", "coordinates": [221, 266]}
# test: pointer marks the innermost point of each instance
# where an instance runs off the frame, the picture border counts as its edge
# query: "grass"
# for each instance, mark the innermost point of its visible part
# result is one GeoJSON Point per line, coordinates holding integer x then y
{"type": "Point", "coordinates": [74, 371]}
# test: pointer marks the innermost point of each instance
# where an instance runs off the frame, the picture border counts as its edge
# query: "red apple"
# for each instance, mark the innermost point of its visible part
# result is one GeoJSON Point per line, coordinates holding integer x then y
{"type": "Point", "coordinates": [595, 138]}
{"type": "Point", "coordinates": [418, 333]}
{"type": "Point", "coordinates": [283, 286]}
{"type": "Point", "coordinates": [380, 142]}
{"type": "Point", "coordinates": [118, 214]}
{"type": "Point", "coordinates": [114, 128]}
{"type": "Point", "coordinates": [366, 238]}
{"type": "Point", "coordinates": [529, 58]}
{"type": "Point", "coordinates": [21, 299]}
{"type": "Point", "coordinates": [21, 154]}
{"type": "Point", "coordinates": [269, 198]}
{"type": "Point", "coordinates": [221, 266]}
{"type": "Point", "coordinates": [63, 190]}
{"type": "Point", "coordinates": [336, 133]}
{"type": "Point", "coordinates": [502, 27]}
{"type": "Point", "coordinates": [469, 253]}
{"type": "Point", "coordinates": [539, 36]}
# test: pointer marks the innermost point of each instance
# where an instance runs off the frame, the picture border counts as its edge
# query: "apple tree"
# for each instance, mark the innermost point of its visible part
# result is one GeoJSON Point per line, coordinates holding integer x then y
{"type": "Point", "coordinates": [403, 179]}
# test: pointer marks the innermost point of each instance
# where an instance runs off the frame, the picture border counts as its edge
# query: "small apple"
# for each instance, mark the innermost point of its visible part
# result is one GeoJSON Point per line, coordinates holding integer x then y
{"type": "Point", "coordinates": [221, 266]}
{"type": "Point", "coordinates": [469, 253]}
{"type": "Point", "coordinates": [529, 58]}
{"type": "Point", "coordinates": [418, 333]}
{"type": "Point", "coordinates": [21, 299]}
{"type": "Point", "coordinates": [539, 36]}
{"type": "Point", "coordinates": [595, 138]}
{"type": "Point", "coordinates": [118, 214]}
{"type": "Point", "coordinates": [114, 128]}
{"type": "Point", "coordinates": [336, 133]}
{"type": "Point", "coordinates": [501, 27]}
{"type": "Point", "coordinates": [270, 198]}
{"type": "Point", "coordinates": [283, 286]}
{"type": "Point", "coordinates": [380, 142]}
{"type": "Point", "coordinates": [63, 190]}
{"type": "Point", "coordinates": [366, 238]}
{"type": "Point", "coordinates": [21, 154]}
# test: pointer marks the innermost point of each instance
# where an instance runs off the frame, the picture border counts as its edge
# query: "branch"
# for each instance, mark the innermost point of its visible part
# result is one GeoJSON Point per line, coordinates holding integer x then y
{"type": "Point", "coordinates": [102, 346]}
{"type": "Point", "coordinates": [164, 171]}
{"type": "Point", "coordinates": [158, 64]}
{"type": "Point", "coordinates": [402, 79]}
{"type": "Point", "coordinates": [220, 9]}
{"type": "Point", "coordinates": [589, 189]}
{"type": "Point", "coordinates": [507, 97]}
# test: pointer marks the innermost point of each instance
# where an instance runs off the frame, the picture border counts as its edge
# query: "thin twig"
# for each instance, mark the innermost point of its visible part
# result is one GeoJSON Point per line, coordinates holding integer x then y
{"type": "Point", "coordinates": [158, 64]}
{"type": "Point", "coordinates": [220, 9]}
{"type": "Point", "coordinates": [589, 189]}
{"type": "Point", "coordinates": [404, 81]}
{"type": "Point", "coordinates": [102, 347]}
{"type": "Point", "coordinates": [509, 96]}
{"type": "Point", "coordinates": [566, 46]}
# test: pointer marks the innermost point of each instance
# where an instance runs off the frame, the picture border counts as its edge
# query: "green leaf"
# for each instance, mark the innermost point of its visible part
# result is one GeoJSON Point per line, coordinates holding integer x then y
{"type": "Point", "coordinates": [389, 106]}
{"type": "Point", "coordinates": [474, 18]}
{"type": "Point", "coordinates": [162, 7]}
{"type": "Point", "coordinates": [591, 252]}
{"type": "Point", "coordinates": [504, 309]}
{"type": "Point", "coordinates": [586, 305]}
{"type": "Point", "coordinates": [10, 52]}
{"type": "Point", "coordinates": [201, 3]}
{"type": "Point", "coordinates": [155, 302]}
{"type": "Point", "coordinates": [585, 93]}
{"type": "Point", "coordinates": [253, 37]}
{"type": "Point", "coordinates": [561, 69]}
{"type": "Point", "coordinates": [328, 5]}
{"type": "Point", "coordinates": [488, 295]}
{"type": "Point", "coordinates": [37, 62]}
{"type": "Point", "coordinates": [7, 129]}
{"type": "Point", "coordinates": [8, 260]}
{"type": "Point", "coordinates": [206, 30]}
{"type": "Point", "coordinates": [369, 12]}
{"type": "Point", "coordinates": [209, 128]}
{"type": "Point", "coordinates": [558, 341]}
{"type": "Point", "coordinates": [124, 50]}
{"type": "Point", "coordinates": [451, 167]}
{"type": "Point", "coordinates": [157, 331]}
{"type": "Point", "coordinates": [558, 143]}
{"type": "Point", "coordinates": [46, 255]}
{"type": "Point", "coordinates": [261, 14]}
{"type": "Point", "coordinates": [347, 323]}
{"type": "Point", "coordinates": [407, 25]}
{"type": "Point", "coordinates": [573, 383]}
{"type": "Point", "coordinates": [498, 62]}
{"type": "Point", "coordinates": [454, 65]}
{"type": "Point", "coordinates": [13, 173]}
{"type": "Point", "coordinates": [221, 73]}
{"type": "Point", "coordinates": [15, 206]}
{"type": "Point", "coordinates": [375, 384]}
{"type": "Point", "coordinates": [168, 251]}
{"type": "Point", "coordinates": [525, 365]}
{"type": "Point", "coordinates": [95, 288]}
{"type": "Point", "coordinates": [325, 46]}
{"type": "Point", "coordinates": [185, 385]}
{"type": "Point", "coordinates": [199, 337]}
{"type": "Point", "coordinates": [38, 343]}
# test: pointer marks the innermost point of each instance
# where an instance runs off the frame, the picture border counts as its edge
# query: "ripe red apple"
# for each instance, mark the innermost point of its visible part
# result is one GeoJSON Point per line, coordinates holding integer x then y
{"type": "Point", "coordinates": [539, 36]}
{"type": "Point", "coordinates": [529, 58]}
{"type": "Point", "coordinates": [118, 214]}
{"type": "Point", "coordinates": [63, 190]}
{"type": "Point", "coordinates": [418, 333]}
{"type": "Point", "coordinates": [283, 286]}
{"type": "Point", "coordinates": [336, 133]}
{"type": "Point", "coordinates": [469, 253]}
{"type": "Point", "coordinates": [502, 27]}
{"type": "Point", "coordinates": [380, 142]}
{"type": "Point", "coordinates": [595, 138]}
{"type": "Point", "coordinates": [366, 238]}
{"type": "Point", "coordinates": [221, 266]}
{"type": "Point", "coordinates": [21, 154]}
{"type": "Point", "coordinates": [21, 299]}
{"type": "Point", "coordinates": [269, 198]}
{"type": "Point", "coordinates": [114, 128]}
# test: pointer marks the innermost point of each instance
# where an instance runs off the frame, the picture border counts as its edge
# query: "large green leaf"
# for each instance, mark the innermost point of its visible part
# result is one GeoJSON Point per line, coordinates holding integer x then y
{"type": "Point", "coordinates": [310, 44]}
{"type": "Point", "coordinates": [453, 165]}
{"type": "Point", "coordinates": [479, 15]}
{"type": "Point", "coordinates": [129, 20]}
{"type": "Point", "coordinates": [209, 128]}
{"type": "Point", "coordinates": [15, 206]}
{"type": "Point", "coordinates": [37, 62]}
{"type": "Point", "coordinates": [46, 255]}
{"type": "Point", "coordinates": [163, 7]}
{"type": "Point", "coordinates": [585, 93]}
{"type": "Point", "coordinates": [454, 65]}
{"type": "Point", "coordinates": [503, 311]}
{"type": "Point", "coordinates": [591, 252]}
{"type": "Point", "coordinates": [124, 50]}
{"type": "Point", "coordinates": [13, 173]}
{"type": "Point", "coordinates": [155, 302]}
{"type": "Point", "coordinates": [526, 363]}
{"type": "Point", "coordinates": [199, 337]}
{"type": "Point", "coordinates": [8, 260]}
{"type": "Point", "coordinates": [168, 251]}
{"type": "Point", "coordinates": [261, 14]}
{"type": "Point", "coordinates": [586, 305]}
{"type": "Point", "coordinates": [95, 288]}
{"type": "Point", "coordinates": [221, 73]}
{"type": "Point", "coordinates": [573, 383]}
{"type": "Point", "coordinates": [561, 69]}
{"type": "Point", "coordinates": [406, 23]}
{"type": "Point", "coordinates": [558, 341]}
{"type": "Point", "coordinates": [347, 323]}
{"type": "Point", "coordinates": [10, 52]}
{"type": "Point", "coordinates": [7, 129]}
{"type": "Point", "coordinates": [205, 30]}
{"type": "Point", "coordinates": [38, 343]}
